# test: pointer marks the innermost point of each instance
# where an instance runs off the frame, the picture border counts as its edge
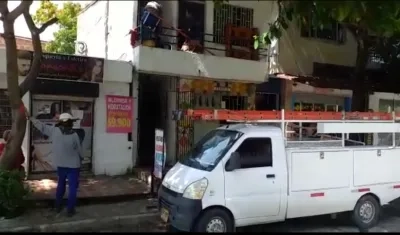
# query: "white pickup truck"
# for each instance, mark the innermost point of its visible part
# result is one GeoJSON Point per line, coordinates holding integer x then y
{"type": "Point", "coordinates": [245, 174]}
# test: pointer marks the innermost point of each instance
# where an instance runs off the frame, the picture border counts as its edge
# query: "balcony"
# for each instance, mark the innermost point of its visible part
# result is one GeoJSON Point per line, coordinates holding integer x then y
{"type": "Point", "coordinates": [175, 54]}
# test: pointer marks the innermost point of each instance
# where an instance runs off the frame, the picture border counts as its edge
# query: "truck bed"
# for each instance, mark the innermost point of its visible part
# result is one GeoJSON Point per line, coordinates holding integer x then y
{"type": "Point", "coordinates": [322, 177]}
{"type": "Point", "coordinates": [314, 143]}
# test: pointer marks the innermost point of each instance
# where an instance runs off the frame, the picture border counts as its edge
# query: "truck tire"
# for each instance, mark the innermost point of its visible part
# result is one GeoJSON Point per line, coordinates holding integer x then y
{"type": "Point", "coordinates": [214, 221]}
{"type": "Point", "coordinates": [366, 213]}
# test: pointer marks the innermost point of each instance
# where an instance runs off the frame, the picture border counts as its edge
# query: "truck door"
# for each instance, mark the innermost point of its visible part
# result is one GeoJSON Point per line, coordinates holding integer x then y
{"type": "Point", "coordinates": [254, 189]}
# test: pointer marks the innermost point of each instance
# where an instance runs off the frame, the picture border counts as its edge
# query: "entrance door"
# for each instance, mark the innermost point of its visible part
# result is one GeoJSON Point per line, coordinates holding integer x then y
{"type": "Point", "coordinates": [257, 181]}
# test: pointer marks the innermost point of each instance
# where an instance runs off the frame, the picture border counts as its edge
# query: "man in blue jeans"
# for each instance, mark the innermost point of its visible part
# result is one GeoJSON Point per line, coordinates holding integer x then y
{"type": "Point", "coordinates": [67, 156]}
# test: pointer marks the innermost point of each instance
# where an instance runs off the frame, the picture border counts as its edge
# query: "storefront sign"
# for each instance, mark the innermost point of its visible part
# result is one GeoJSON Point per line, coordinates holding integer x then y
{"type": "Point", "coordinates": [58, 66]}
{"type": "Point", "coordinates": [159, 154]}
{"type": "Point", "coordinates": [119, 114]}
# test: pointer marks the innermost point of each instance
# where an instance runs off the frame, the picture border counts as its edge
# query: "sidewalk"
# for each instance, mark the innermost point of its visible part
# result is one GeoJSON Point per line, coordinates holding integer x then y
{"type": "Point", "coordinates": [138, 215]}
{"type": "Point", "coordinates": [92, 188]}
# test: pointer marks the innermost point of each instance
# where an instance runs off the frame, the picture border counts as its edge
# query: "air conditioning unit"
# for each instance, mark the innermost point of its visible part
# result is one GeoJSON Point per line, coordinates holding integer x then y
{"type": "Point", "coordinates": [81, 48]}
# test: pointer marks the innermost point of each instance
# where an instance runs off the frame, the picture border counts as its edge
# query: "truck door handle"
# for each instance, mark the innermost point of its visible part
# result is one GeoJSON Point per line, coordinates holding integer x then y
{"type": "Point", "coordinates": [271, 176]}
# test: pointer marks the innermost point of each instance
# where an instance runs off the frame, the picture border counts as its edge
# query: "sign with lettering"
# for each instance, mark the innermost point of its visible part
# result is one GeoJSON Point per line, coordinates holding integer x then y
{"type": "Point", "coordinates": [159, 154]}
{"type": "Point", "coordinates": [119, 114]}
{"type": "Point", "coordinates": [59, 66]}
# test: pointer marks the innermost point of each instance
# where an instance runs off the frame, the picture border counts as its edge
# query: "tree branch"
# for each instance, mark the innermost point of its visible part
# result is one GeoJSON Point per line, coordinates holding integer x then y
{"type": "Point", "coordinates": [19, 10]}
{"type": "Point", "coordinates": [47, 24]}
{"type": "Point", "coordinates": [3, 9]}
{"type": "Point", "coordinates": [29, 22]}
{"type": "Point", "coordinates": [37, 49]}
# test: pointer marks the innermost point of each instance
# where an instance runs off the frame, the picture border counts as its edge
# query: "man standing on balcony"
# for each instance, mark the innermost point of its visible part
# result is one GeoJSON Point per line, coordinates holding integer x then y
{"type": "Point", "coordinates": [150, 24]}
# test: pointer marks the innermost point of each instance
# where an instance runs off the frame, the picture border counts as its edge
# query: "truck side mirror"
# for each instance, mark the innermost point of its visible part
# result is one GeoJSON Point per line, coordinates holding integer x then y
{"type": "Point", "coordinates": [233, 162]}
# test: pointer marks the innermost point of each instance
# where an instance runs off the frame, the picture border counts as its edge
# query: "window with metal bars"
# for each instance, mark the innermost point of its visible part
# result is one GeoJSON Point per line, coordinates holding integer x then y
{"type": "Point", "coordinates": [235, 102]}
{"type": "Point", "coordinates": [229, 14]}
{"type": "Point", "coordinates": [5, 112]}
{"type": "Point", "coordinates": [333, 32]}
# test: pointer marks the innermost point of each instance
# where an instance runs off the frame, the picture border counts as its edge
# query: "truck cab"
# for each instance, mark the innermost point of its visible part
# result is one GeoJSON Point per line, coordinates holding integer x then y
{"type": "Point", "coordinates": [210, 190]}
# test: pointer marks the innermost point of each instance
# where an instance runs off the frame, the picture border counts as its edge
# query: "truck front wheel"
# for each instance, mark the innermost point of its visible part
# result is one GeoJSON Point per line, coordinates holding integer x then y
{"type": "Point", "coordinates": [366, 212]}
{"type": "Point", "coordinates": [214, 221]}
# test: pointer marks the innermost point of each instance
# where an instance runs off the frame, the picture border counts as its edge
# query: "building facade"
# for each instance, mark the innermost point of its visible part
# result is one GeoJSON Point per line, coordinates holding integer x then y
{"type": "Point", "coordinates": [309, 51]}
{"type": "Point", "coordinates": [78, 85]}
{"type": "Point", "coordinates": [220, 69]}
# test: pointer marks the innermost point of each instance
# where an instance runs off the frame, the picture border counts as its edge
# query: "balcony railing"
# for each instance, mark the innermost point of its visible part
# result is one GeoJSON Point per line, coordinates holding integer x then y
{"type": "Point", "coordinates": [238, 43]}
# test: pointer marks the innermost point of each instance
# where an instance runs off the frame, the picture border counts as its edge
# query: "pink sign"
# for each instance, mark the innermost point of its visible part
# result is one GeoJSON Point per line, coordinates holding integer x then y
{"type": "Point", "coordinates": [119, 114]}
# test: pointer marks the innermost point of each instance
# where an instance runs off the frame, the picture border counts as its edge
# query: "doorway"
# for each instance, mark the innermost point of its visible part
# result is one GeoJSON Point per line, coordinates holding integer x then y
{"type": "Point", "coordinates": [149, 117]}
{"type": "Point", "coordinates": [267, 101]}
{"type": "Point", "coordinates": [191, 21]}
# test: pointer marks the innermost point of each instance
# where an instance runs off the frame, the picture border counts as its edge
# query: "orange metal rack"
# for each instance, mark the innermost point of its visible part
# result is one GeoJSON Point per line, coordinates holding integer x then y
{"type": "Point", "coordinates": [287, 115]}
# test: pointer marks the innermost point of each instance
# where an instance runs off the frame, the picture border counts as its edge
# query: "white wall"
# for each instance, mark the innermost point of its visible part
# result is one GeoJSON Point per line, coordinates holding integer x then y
{"type": "Point", "coordinates": [192, 65]}
{"type": "Point", "coordinates": [112, 153]}
{"type": "Point", "coordinates": [91, 29]}
{"type": "Point", "coordinates": [122, 17]}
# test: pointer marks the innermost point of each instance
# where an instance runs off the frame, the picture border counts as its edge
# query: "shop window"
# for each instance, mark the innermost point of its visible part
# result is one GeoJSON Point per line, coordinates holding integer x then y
{"type": "Point", "coordinates": [235, 102]}
{"type": "Point", "coordinates": [317, 107]}
{"type": "Point", "coordinates": [5, 112]}
{"type": "Point", "coordinates": [47, 111]}
{"type": "Point", "coordinates": [309, 130]}
{"type": "Point", "coordinates": [386, 105]}
{"type": "Point", "coordinates": [229, 14]}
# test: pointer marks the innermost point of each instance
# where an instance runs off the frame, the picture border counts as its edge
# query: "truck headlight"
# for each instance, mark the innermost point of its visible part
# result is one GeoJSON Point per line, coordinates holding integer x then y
{"type": "Point", "coordinates": [196, 189]}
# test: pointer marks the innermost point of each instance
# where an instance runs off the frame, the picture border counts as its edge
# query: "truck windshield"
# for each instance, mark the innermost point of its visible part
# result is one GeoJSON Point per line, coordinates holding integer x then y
{"type": "Point", "coordinates": [210, 149]}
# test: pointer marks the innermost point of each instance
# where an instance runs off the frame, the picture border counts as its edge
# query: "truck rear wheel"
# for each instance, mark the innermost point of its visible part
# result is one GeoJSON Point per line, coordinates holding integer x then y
{"type": "Point", "coordinates": [214, 221]}
{"type": "Point", "coordinates": [366, 212]}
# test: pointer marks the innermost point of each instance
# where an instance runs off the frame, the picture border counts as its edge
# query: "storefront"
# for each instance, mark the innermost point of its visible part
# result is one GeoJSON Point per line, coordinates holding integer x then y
{"type": "Point", "coordinates": [78, 85]}
{"type": "Point", "coordinates": [384, 102]}
{"type": "Point", "coordinates": [208, 94]}
{"type": "Point", "coordinates": [46, 108]}
{"type": "Point", "coordinates": [309, 98]}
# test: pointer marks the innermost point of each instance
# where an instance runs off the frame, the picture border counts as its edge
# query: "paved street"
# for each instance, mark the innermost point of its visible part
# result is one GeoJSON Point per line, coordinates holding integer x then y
{"type": "Point", "coordinates": [142, 216]}
{"type": "Point", "coordinates": [390, 222]}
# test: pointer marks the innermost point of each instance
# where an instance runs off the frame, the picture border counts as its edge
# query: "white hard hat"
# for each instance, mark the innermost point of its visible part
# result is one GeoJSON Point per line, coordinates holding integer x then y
{"type": "Point", "coordinates": [153, 4]}
{"type": "Point", "coordinates": [65, 117]}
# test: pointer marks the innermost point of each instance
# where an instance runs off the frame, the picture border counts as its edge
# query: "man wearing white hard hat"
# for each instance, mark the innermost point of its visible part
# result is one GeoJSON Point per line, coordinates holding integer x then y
{"type": "Point", "coordinates": [67, 153]}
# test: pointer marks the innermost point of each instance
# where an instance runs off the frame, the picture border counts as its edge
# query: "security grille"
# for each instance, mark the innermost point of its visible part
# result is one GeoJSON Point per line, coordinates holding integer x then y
{"type": "Point", "coordinates": [5, 112]}
{"type": "Point", "coordinates": [229, 14]}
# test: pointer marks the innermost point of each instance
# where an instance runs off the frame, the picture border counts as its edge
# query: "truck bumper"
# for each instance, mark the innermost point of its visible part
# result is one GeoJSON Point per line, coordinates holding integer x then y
{"type": "Point", "coordinates": [182, 211]}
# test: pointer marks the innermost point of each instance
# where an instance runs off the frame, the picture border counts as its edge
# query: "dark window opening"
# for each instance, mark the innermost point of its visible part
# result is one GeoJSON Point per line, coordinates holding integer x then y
{"type": "Point", "coordinates": [333, 32]}
{"type": "Point", "coordinates": [255, 152]}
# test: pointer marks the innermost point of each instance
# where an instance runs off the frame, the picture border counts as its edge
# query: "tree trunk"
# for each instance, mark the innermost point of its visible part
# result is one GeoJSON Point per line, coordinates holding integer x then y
{"type": "Point", "coordinates": [360, 91]}
{"type": "Point", "coordinates": [16, 90]}
{"type": "Point", "coordinates": [18, 127]}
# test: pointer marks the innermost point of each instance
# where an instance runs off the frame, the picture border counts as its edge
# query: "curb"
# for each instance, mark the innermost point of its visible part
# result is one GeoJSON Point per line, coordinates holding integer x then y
{"type": "Point", "coordinates": [86, 224]}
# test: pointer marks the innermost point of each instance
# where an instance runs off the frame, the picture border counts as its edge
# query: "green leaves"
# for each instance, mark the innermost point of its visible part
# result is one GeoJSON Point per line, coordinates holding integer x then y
{"type": "Point", "coordinates": [65, 37]}
{"type": "Point", "coordinates": [381, 18]}
{"type": "Point", "coordinates": [13, 194]}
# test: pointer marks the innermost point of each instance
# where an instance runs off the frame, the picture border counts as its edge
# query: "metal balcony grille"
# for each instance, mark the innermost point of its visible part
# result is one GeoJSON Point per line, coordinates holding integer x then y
{"type": "Point", "coordinates": [229, 14]}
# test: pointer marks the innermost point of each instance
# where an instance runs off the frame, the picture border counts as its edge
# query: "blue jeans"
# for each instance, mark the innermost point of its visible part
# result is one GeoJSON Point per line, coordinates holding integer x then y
{"type": "Point", "coordinates": [72, 174]}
